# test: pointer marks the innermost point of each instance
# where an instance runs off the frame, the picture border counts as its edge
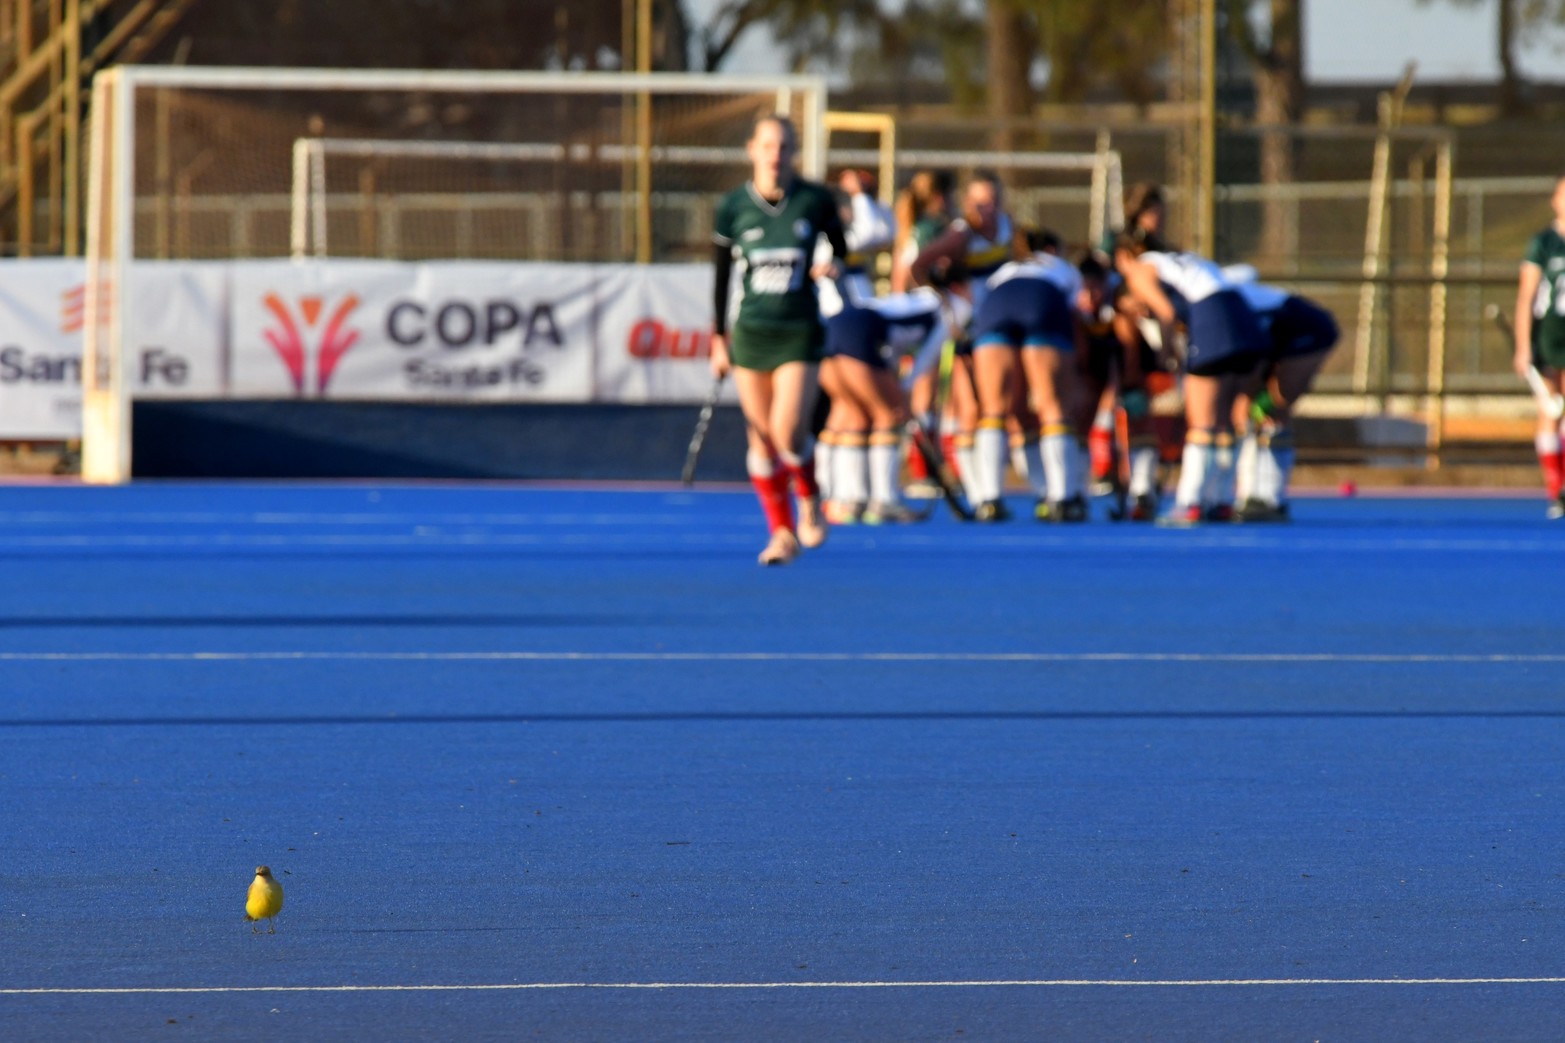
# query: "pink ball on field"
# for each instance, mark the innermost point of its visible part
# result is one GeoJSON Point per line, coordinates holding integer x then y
{"type": "Point", "coordinates": [1349, 488]}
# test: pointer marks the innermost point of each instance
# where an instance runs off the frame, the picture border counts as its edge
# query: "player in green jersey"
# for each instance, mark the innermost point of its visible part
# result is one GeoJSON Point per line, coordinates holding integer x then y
{"type": "Point", "coordinates": [771, 225]}
{"type": "Point", "coordinates": [923, 210]}
{"type": "Point", "coordinates": [1540, 341]}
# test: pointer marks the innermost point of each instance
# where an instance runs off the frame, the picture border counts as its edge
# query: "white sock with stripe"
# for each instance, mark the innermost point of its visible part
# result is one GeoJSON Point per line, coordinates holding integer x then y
{"type": "Point", "coordinates": [1194, 467]}
{"type": "Point", "coordinates": [990, 450]}
{"type": "Point", "coordinates": [1059, 449]}
{"type": "Point", "coordinates": [885, 467]}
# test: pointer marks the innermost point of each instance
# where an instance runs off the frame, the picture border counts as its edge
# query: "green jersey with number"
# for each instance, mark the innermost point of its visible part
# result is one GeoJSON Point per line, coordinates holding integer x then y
{"type": "Point", "coordinates": [1547, 251]}
{"type": "Point", "coordinates": [776, 243]}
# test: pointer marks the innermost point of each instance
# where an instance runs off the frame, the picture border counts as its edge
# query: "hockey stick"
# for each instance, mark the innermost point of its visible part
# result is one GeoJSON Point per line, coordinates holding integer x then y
{"type": "Point", "coordinates": [1547, 397]}
{"type": "Point", "coordinates": [925, 442]}
{"type": "Point", "coordinates": [939, 473]}
{"type": "Point", "coordinates": [698, 436]}
{"type": "Point", "coordinates": [937, 360]}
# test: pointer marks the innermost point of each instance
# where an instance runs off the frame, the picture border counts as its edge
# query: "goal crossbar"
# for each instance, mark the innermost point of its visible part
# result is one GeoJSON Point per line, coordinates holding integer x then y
{"type": "Point", "coordinates": [266, 78]}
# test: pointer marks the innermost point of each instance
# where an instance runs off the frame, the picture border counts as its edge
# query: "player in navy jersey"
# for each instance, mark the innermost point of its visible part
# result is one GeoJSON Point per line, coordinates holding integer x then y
{"type": "Point", "coordinates": [1024, 331]}
{"type": "Point", "coordinates": [1301, 335]}
{"type": "Point", "coordinates": [1190, 295]}
{"type": "Point", "coordinates": [770, 226]}
{"type": "Point", "coordinates": [864, 345]}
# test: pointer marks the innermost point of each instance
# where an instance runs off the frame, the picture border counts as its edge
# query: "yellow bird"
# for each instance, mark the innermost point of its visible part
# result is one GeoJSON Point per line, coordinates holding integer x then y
{"type": "Point", "coordinates": [265, 899]}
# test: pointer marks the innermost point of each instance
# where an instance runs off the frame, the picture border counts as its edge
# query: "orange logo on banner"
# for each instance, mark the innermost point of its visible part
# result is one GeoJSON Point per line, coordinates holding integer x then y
{"type": "Point", "coordinates": [73, 307]}
{"type": "Point", "coordinates": [331, 337]}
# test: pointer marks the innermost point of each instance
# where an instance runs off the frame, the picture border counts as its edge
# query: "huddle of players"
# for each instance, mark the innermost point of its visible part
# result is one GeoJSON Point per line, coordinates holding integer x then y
{"type": "Point", "coordinates": [1046, 353]}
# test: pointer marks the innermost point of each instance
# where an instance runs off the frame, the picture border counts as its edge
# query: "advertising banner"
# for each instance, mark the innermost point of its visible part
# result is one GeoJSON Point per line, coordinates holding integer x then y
{"type": "Point", "coordinates": [365, 330]}
{"type": "Point", "coordinates": [657, 336]}
{"type": "Point", "coordinates": [176, 330]}
{"type": "Point", "coordinates": [480, 332]}
{"type": "Point", "coordinates": [41, 309]}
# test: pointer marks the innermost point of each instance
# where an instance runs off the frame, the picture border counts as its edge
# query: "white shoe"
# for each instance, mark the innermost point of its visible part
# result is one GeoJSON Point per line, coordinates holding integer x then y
{"type": "Point", "coordinates": [782, 548]}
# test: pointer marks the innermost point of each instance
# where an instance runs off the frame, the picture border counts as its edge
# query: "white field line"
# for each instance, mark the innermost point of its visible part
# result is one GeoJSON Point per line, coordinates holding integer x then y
{"type": "Point", "coordinates": [770, 657]}
{"type": "Point", "coordinates": [1044, 983]}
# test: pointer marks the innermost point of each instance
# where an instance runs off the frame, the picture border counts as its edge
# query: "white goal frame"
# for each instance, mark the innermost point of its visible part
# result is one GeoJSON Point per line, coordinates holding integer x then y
{"type": "Point", "coordinates": [111, 246]}
{"type": "Point", "coordinates": [307, 237]}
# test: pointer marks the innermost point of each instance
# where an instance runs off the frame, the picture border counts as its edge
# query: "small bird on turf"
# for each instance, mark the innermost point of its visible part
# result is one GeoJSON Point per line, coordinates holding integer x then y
{"type": "Point", "coordinates": [265, 899]}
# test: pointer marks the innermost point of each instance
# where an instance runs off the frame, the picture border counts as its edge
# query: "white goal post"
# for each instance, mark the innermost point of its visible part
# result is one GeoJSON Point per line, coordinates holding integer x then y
{"type": "Point", "coordinates": [192, 163]}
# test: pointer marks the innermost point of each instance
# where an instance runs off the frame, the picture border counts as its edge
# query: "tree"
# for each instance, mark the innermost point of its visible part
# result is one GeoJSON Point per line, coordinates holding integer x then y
{"type": "Point", "coordinates": [1012, 42]}
{"type": "Point", "coordinates": [1515, 21]}
{"type": "Point", "coordinates": [1277, 72]}
{"type": "Point", "coordinates": [1088, 44]}
{"type": "Point", "coordinates": [808, 29]}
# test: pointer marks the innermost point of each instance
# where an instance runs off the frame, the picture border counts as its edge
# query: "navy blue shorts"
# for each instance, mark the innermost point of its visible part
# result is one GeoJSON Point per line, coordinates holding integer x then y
{"type": "Point", "coordinates": [1302, 327]}
{"type": "Point", "coordinates": [874, 338]}
{"type": "Point", "coordinates": [1024, 313]}
{"type": "Point", "coordinates": [1225, 336]}
{"type": "Point", "coordinates": [857, 333]}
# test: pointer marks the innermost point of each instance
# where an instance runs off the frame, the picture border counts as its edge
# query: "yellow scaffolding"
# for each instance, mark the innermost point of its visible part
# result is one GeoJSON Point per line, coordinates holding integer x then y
{"type": "Point", "coordinates": [43, 99]}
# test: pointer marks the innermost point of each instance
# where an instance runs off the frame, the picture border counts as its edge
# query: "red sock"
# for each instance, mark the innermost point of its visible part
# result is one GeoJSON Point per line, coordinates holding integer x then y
{"type": "Point", "coordinates": [772, 491]}
{"type": "Point", "coordinates": [802, 473]}
{"type": "Point", "coordinates": [917, 469]}
{"type": "Point", "coordinates": [1100, 448]}
{"type": "Point", "coordinates": [1553, 465]}
{"type": "Point", "coordinates": [948, 449]}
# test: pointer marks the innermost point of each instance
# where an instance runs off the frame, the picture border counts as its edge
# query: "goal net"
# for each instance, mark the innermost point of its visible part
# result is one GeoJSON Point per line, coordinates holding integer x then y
{"type": "Point", "coordinates": [236, 163]}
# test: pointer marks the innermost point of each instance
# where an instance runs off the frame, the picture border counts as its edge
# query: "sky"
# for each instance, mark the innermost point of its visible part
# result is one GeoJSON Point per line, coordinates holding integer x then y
{"type": "Point", "coordinates": [1373, 40]}
{"type": "Point", "coordinates": [1345, 41]}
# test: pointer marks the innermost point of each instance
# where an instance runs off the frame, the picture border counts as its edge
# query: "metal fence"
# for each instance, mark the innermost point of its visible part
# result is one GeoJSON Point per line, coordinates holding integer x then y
{"type": "Point", "coordinates": [1492, 219]}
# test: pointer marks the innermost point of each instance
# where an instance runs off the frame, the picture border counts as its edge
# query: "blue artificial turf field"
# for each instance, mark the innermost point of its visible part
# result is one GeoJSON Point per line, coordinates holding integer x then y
{"type": "Point", "coordinates": [565, 764]}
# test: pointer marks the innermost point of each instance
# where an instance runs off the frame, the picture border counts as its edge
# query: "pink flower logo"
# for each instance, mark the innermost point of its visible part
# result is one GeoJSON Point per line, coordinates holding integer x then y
{"type": "Point", "coordinates": [295, 332]}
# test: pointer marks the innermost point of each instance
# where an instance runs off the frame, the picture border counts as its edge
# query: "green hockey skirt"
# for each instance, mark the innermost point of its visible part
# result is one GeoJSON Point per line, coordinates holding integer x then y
{"type": "Point", "coordinates": [765, 346]}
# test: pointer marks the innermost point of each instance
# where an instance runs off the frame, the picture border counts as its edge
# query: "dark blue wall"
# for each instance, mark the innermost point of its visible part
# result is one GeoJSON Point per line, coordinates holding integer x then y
{"type": "Point", "coordinates": [302, 439]}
